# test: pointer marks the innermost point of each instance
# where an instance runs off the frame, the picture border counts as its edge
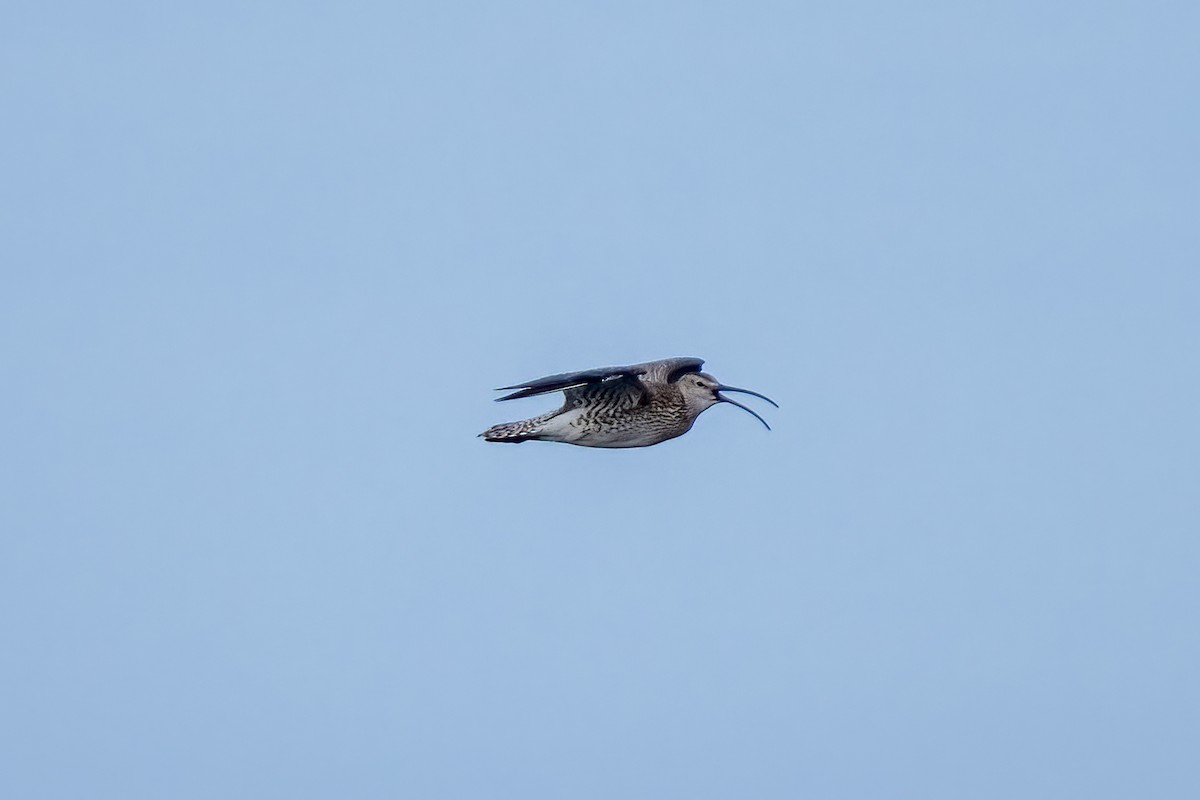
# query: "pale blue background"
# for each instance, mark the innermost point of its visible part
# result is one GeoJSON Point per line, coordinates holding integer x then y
{"type": "Point", "coordinates": [263, 265]}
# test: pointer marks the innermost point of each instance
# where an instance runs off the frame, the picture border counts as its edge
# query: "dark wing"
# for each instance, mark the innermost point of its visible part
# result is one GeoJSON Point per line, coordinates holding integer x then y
{"type": "Point", "coordinates": [666, 370]}
{"type": "Point", "coordinates": [567, 380]}
{"type": "Point", "coordinates": [670, 370]}
{"type": "Point", "coordinates": [621, 392]}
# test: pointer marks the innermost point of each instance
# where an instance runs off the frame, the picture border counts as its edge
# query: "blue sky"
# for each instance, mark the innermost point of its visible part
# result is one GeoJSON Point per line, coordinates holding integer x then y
{"type": "Point", "coordinates": [264, 264]}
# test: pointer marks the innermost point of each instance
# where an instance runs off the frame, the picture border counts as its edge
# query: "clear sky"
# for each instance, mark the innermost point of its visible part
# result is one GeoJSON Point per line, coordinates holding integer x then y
{"type": "Point", "coordinates": [263, 265]}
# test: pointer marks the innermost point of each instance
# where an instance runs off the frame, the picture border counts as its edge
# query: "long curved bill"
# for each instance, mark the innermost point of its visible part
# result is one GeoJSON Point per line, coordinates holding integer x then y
{"type": "Point", "coordinates": [742, 407]}
{"type": "Point", "coordinates": [724, 388]}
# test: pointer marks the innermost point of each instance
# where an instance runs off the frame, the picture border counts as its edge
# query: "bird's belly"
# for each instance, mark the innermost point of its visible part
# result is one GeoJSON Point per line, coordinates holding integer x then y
{"type": "Point", "coordinates": [624, 439]}
{"type": "Point", "coordinates": [621, 432]}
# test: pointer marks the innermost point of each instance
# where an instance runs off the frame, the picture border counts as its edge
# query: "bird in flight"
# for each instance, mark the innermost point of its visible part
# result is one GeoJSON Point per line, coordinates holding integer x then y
{"type": "Point", "coordinates": [635, 406]}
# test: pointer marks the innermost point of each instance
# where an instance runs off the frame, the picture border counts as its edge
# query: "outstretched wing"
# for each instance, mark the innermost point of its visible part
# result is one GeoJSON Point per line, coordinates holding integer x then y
{"type": "Point", "coordinates": [664, 371]}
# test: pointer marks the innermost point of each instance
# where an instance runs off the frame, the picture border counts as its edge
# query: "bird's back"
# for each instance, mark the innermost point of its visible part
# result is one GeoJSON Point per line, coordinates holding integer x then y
{"type": "Point", "coordinates": [615, 414]}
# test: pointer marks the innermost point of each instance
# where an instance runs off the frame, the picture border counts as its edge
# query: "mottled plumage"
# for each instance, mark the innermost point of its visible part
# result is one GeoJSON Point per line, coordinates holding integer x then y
{"type": "Point", "coordinates": [634, 406]}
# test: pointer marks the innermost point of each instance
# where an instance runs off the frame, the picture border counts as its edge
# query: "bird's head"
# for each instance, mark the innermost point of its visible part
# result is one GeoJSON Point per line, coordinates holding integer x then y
{"type": "Point", "coordinates": [701, 391]}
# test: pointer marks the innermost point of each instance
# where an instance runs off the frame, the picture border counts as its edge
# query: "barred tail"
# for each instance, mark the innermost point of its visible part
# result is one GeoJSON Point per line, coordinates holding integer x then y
{"type": "Point", "coordinates": [515, 432]}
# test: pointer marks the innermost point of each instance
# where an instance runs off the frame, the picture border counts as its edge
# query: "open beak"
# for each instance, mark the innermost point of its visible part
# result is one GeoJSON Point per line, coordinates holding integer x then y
{"type": "Point", "coordinates": [723, 388]}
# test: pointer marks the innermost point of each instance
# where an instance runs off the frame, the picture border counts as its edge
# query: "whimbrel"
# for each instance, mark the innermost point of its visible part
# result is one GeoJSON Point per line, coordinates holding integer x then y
{"type": "Point", "coordinates": [634, 406]}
